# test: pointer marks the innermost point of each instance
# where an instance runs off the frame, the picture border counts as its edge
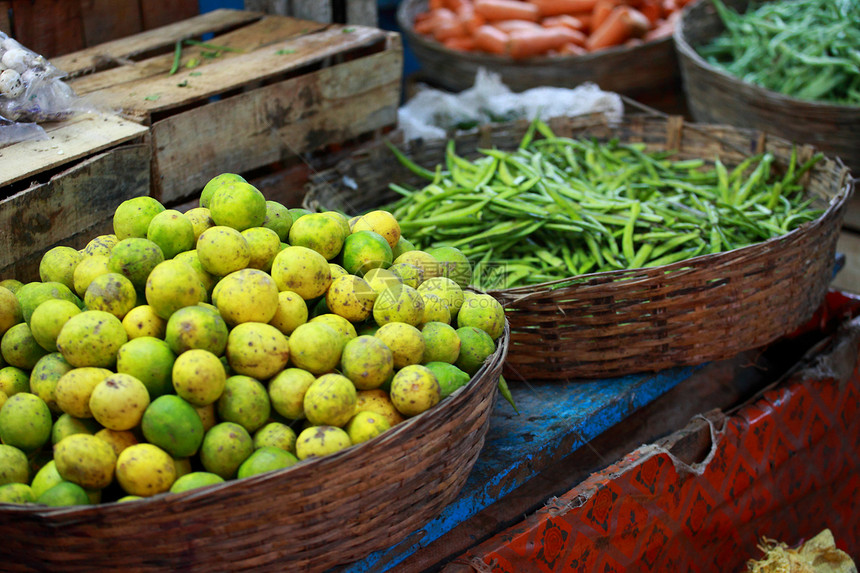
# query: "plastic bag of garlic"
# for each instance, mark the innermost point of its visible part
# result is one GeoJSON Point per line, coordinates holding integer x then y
{"type": "Point", "coordinates": [31, 91]}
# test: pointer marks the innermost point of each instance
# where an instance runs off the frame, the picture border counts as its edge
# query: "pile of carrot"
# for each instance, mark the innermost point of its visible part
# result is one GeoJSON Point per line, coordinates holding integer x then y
{"type": "Point", "coordinates": [522, 29]}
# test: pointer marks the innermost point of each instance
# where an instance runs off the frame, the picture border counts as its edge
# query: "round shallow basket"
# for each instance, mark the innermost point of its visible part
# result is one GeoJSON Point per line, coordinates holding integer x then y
{"type": "Point", "coordinates": [315, 515]}
{"type": "Point", "coordinates": [620, 322]}
{"type": "Point", "coordinates": [715, 96]}
{"type": "Point", "coordinates": [642, 69]}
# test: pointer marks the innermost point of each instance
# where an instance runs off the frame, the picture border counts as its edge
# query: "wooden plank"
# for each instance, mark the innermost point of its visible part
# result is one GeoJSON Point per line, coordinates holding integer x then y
{"type": "Point", "coordinates": [848, 279]}
{"type": "Point", "coordinates": [139, 100]}
{"type": "Point", "coordinates": [81, 136]}
{"type": "Point", "coordinates": [48, 27]}
{"type": "Point", "coordinates": [106, 20]}
{"type": "Point", "coordinates": [852, 214]}
{"type": "Point", "coordinates": [362, 12]}
{"type": "Point", "coordinates": [5, 22]}
{"type": "Point", "coordinates": [281, 7]}
{"type": "Point", "coordinates": [157, 13]}
{"type": "Point", "coordinates": [248, 38]}
{"type": "Point", "coordinates": [72, 202]}
{"type": "Point", "coordinates": [294, 116]}
{"type": "Point", "coordinates": [316, 10]}
{"type": "Point", "coordinates": [159, 40]}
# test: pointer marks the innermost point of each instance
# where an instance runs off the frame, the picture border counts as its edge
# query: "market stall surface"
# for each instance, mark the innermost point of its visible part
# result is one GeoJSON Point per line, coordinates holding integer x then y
{"type": "Point", "coordinates": [555, 418]}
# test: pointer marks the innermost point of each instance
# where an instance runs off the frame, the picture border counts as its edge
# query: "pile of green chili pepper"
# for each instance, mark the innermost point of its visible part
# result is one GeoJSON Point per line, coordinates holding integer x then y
{"type": "Point", "coordinates": [559, 207]}
{"type": "Point", "coordinates": [808, 49]}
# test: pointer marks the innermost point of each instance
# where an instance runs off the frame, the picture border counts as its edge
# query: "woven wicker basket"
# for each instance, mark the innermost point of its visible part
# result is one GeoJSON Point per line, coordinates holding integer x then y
{"type": "Point", "coordinates": [620, 322]}
{"type": "Point", "coordinates": [632, 71]}
{"type": "Point", "coordinates": [715, 96]}
{"type": "Point", "coordinates": [313, 516]}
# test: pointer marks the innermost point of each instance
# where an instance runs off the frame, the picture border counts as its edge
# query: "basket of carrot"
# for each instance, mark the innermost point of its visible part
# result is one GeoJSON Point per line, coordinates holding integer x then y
{"type": "Point", "coordinates": [790, 67]}
{"type": "Point", "coordinates": [623, 46]}
{"type": "Point", "coordinates": [616, 248]}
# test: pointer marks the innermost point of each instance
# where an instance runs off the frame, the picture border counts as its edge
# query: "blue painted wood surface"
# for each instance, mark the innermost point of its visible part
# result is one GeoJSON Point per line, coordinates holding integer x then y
{"type": "Point", "coordinates": [555, 419]}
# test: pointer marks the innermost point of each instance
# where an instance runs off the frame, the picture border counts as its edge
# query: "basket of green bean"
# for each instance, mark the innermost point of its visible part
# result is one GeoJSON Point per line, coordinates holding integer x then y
{"type": "Point", "coordinates": [790, 67]}
{"type": "Point", "coordinates": [615, 249]}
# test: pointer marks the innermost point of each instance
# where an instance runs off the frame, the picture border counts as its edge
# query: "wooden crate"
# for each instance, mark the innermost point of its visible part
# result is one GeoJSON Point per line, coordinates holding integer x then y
{"type": "Point", "coordinates": [285, 88]}
{"type": "Point", "coordinates": [56, 27]}
{"type": "Point", "coordinates": [63, 190]}
{"type": "Point", "coordinates": [360, 12]}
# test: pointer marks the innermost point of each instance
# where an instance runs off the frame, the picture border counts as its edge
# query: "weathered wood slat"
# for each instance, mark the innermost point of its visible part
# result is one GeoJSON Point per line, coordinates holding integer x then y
{"type": "Point", "coordinates": [316, 10]}
{"type": "Point", "coordinates": [69, 207]}
{"type": "Point", "coordinates": [248, 38]}
{"type": "Point", "coordinates": [362, 13]}
{"type": "Point", "coordinates": [104, 20]}
{"type": "Point", "coordinates": [138, 100]}
{"type": "Point", "coordinates": [36, 25]}
{"type": "Point", "coordinates": [157, 13]}
{"type": "Point", "coordinates": [5, 23]}
{"type": "Point", "coordinates": [158, 39]}
{"type": "Point", "coordinates": [848, 278]}
{"type": "Point", "coordinates": [357, 12]}
{"type": "Point", "coordinates": [81, 136]}
{"type": "Point", "coordinates": [276, 122]}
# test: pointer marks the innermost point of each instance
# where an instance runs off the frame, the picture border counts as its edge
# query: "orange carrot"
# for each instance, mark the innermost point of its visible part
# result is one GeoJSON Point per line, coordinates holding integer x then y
{"type": "Point", "coordinates": [663, 28]}
{"type": "Point", "coordinates": [455, 5]}
{"type": "Point", "coordinates": [587, 19]}
{"type": "Point", "coordinates": [509, 26]}
{"type": "Point", "coordinates": [572, 36]}
{"type": "Point", "coordinates": [531, 43]}
{"type": "Point", "coordinates": [670, 6]}
{"type": "Point", "coordinates": [490, 39]}
{"type": "Point", "coordinates": [556, 7]}
{"type": "Point", "coordinates": [447, 29]}
{"type": "Point", "coordinates": [601, 11]}
{"type": "Point", "coordinates": [652, 10]}
{"type": "Point", "coordinates": [436, 4]}
{"type": "Point", "coordinates": [571, 50]}
{"type": "Point", "coordinates": [622, 24]}
{"type": "Point", "coordinates": [471, 20]}
{"type": "Point", "coordinates": [639, 23]}
{"type": "Point", "coordinates": [428, 25]}
{"type": "Point", "coordinates": [494, 10]}
{"type": "Point", "coordinates": [565, 20]}
{"type": "Point", "coordinates": [425, 27]}
{"type": "Point", "coordinates": [461, 44]}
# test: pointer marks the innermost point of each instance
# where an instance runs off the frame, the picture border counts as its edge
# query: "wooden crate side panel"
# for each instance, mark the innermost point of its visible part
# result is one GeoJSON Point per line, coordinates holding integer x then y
{"type": "Point", "coordinates": [5, 22]}
{"type": "Point", "coordinates": [248, 38]}
{"type": "Point", "coordinates": [269, 124]}
{"type": "Point", "coordinates": [157, 13]}
{"type": "Point", "coordinates": [106, 20]}
{"type": "Point", "coordinates": [316, 10]}
{"type": "Point", "coordinates": [48, 27]}
{"type": "Point", "coordinates": [362, 12]}
{"type": "Point", "coordinates": [80, 198]}
{"type": "Point", "coordinates": [26, 269]}
{"type": "Point", "coordinates": [139, 100]}
{"type": "Point", "coordinates": [157, 40]}
{"type": "Point", "coordinates": [848, 279]}
{"type": "Point", "coordinates": [79, 137]}
{"type": "Point", "coordinates": [358, 12]}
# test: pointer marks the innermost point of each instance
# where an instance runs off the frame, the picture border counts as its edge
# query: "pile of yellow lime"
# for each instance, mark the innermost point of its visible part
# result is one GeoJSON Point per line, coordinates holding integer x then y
{"type": "Point", "coordinates": [236, 338]}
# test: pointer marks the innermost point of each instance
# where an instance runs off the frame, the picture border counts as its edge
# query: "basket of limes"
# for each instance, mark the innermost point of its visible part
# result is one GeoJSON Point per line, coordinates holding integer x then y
{"type": "Point", "coordinates": [635, 246]}
{"type": "Point", "coordinates": [238, 386]}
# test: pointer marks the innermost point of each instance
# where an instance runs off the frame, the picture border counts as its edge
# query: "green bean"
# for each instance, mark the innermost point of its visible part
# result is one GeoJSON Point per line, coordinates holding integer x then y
{"type": "Point", "coordinates": [805, 49]}
{"type": "Point", "coordinates": [565, 207]}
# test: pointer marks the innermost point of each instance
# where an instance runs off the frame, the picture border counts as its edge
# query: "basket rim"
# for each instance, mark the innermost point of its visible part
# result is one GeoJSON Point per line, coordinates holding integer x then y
{"type": "Point", "coordinates": [317, 466]}
{"type": "Point", "coordinates": [687, 53]}
{"type": "Point", "coordinates": [482, 58]}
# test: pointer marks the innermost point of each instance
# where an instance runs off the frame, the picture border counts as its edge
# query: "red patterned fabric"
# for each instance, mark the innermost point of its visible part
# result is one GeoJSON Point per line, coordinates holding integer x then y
{"type": "Point", "coordinates": [784, 467]}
